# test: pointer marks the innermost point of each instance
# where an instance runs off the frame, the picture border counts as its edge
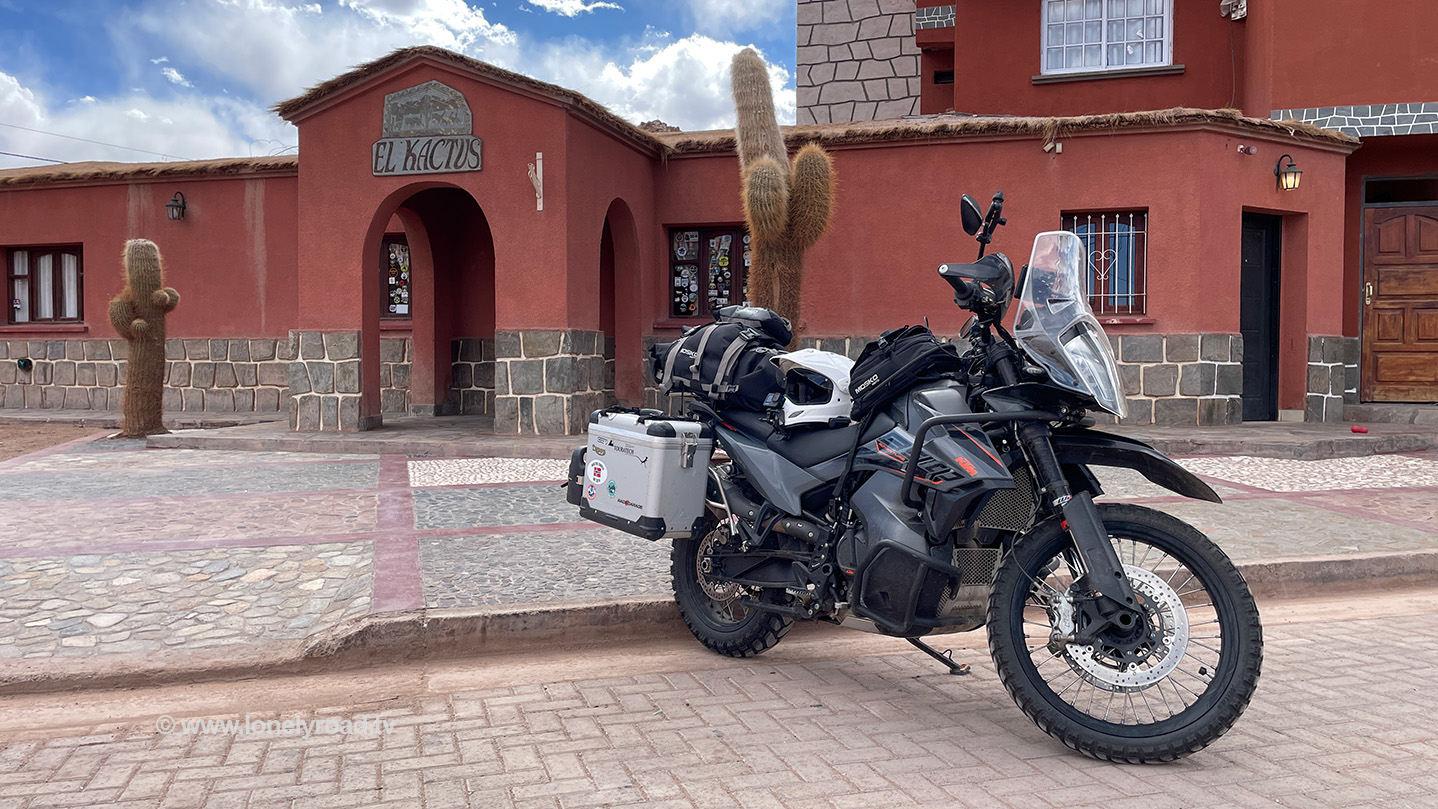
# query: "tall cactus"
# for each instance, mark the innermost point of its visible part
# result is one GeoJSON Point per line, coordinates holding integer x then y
{"type": "Point", "coordinates": [138, 315]}
{"type": "Point", "coordinates": [786, 205]}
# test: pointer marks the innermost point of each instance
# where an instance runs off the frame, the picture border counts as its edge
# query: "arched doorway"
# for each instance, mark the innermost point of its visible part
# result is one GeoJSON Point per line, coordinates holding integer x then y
{"type": "Point", "coordinates": [619, 296]}
{"type": "Point", "coordinates": [436, 313]}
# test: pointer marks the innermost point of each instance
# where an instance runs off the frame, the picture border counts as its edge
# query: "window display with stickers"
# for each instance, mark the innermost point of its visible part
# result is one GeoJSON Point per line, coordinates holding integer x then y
{"type": "Point", "coordinates": [395, 278]}
{"type": "Point", "coordinates": [707, 269]}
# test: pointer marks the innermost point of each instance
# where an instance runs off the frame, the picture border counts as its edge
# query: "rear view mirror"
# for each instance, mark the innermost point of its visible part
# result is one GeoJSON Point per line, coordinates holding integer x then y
{"type": "Point", "coordinates": [972, 217]}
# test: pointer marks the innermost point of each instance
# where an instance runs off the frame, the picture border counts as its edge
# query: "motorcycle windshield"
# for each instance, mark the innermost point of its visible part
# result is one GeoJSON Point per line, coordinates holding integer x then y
{"type": "Point", "coordinates": [1056, 326]}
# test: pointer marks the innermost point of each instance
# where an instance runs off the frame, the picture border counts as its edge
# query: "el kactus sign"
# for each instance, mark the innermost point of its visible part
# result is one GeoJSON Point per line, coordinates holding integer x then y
{"type": "Point", "coordinates": [428, 129]}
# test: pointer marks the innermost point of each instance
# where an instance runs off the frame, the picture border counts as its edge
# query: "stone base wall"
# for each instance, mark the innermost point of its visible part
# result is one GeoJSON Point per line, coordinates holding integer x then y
{"type": "Point", "coordinates": [395, 355]}
{"type": "Point", "coordinates": [201, 375]}
{"type": "Point", "coordinates": [548, 382]}
{"type": "Point", "coordinates": [325, 383]}
{"type": "Point", "coordinates": [858, 60]}
{"type": "Point", "coordinates": [1332, 377]}
{"type": "Point", "coordinates": [471, 386]}
{"type": "Point", "coordinates": [1176, 379]}
{"type": "Point", "coordinates": [1181, 379]}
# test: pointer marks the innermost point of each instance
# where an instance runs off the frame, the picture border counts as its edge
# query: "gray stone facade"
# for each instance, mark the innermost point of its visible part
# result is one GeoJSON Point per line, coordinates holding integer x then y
{"type": "Point", "coordinates": [548, 382]}
{"type": "Point", "coordinates": [395, 356]}
{"type": "Point", "coordinates": [1369, 120]}
{"type": "Point", "coordinates": [935, 17]}
{"type": "Point", "coordinates": [325, 383]}
{"type": "Point", "coordinates": [858, 60]}
{"type": "Point", "coordinates": [1332, 377]}
{"type": "Point", "coordinates": [471, 387]}
{"type": "Point", "coordinates": [1181, 379]}
{"type": "Point", "coordinates": [201, 375]}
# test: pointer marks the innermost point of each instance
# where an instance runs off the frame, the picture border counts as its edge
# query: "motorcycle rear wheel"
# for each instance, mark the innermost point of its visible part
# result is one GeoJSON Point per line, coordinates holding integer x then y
{"type": "Point", "coordinates": [712, 609]}
{"type": "Point", "coordinates": [1140, 703]}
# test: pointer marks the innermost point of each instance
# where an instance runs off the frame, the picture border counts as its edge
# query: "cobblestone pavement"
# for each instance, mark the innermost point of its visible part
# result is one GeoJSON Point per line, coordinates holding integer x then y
{"type": "Point", "coordinates": [1338, 721]}
{"type": "Point", "coordinates": [107, 547]}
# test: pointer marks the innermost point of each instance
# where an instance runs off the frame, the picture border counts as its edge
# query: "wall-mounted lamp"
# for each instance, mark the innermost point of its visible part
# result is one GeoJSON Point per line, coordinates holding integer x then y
{"type": "Point", "coordinates": [1288, 175]}
{"type": "Point", "coordinates": [176, 207]}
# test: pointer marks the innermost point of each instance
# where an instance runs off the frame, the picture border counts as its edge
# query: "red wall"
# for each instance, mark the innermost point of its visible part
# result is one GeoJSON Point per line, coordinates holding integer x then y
{"type": "Point", "coordinates": [997, 52]}
{"type": "Point", "coordinates": [896, 219]}
{"type": "Point", "coordinates": [1325, 53]}
{"type": "Point", "coordinates": [233, 258]}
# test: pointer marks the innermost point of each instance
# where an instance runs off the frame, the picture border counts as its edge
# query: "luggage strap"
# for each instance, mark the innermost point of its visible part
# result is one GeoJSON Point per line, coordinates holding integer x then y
{"type": "Point", "coordinates": [726, 363]}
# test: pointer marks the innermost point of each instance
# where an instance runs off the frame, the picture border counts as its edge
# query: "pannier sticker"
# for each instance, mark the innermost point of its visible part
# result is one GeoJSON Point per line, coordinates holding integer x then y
{"type": "Point", "coordinates": [597, 473]}
{"type": "Point", "coordinates": [612, 488]}
{"type": "Point", "coordinates": [591, 492]}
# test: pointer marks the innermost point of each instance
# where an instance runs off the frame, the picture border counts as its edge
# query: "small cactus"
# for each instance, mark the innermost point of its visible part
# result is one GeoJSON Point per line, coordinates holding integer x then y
{"type": "Point", "coordinates": [786, 205]}
{"type": "Point", "coordinates": [138, 315]}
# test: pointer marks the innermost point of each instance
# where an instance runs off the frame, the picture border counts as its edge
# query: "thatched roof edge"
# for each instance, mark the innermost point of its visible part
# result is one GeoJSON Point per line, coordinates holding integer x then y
{"type": "Point", "coordinates": [956, 125]}
{"type": "Point", "coordinates": [98, 172]}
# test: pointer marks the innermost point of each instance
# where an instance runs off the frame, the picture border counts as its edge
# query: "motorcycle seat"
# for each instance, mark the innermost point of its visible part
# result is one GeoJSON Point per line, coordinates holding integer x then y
{"type": "Point", "coordinates": [810, 447]}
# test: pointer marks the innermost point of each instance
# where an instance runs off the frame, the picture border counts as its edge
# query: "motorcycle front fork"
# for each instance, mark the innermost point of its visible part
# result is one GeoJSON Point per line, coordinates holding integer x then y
{"type": "Point", "coordinates": [1103, 572]}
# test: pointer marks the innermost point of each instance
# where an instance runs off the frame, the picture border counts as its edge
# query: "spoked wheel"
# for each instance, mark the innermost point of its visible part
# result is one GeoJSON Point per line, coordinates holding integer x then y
{"type": "Point", "coordinates": [1168, 684]}
{"type": "Point", "coordinates": [712, 609]}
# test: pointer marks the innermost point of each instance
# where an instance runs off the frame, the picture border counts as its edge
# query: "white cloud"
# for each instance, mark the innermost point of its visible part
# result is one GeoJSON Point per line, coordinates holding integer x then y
{"type": "Point", "coordinates": [684, 83]}
{"type": "Point", "coordinates": [190, 127]}
{"type": "Point", "coordinates": [734, 16]}
{"type": "Point", "coordinates": [275, 50]}
{"type": "Point", "coordinates": [176, 77]}
{"type": "Point", "coordinates": [270, 50]}
{"type": "Point", "coordinates": [571, 8]}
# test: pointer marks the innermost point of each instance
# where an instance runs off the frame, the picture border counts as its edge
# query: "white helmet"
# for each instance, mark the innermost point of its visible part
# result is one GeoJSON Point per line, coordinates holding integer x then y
{"type": "Point", "coordinates": [816, 386]}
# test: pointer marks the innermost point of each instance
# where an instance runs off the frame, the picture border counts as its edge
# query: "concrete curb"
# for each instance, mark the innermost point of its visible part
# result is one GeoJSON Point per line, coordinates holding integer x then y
{"type": "Point", "coordinates": [387, 638]}
{"type": "Point", "coordinates": [351, 444]}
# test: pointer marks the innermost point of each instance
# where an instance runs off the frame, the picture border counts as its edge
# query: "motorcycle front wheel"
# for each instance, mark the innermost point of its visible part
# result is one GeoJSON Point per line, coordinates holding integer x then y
{"type": "Point", "coordinates": [1145, 697]}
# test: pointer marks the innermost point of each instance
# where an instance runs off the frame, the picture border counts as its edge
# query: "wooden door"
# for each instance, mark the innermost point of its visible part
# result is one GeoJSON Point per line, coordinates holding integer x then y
{"type": "Point", "coordinates": [1400, 305]}
{"type": "Point", "coordinates": [1258, 315]}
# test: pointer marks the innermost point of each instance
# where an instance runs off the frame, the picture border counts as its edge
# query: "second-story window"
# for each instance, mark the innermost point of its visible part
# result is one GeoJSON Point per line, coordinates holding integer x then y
{"type": "Point", "coordinates": [1092, 35]}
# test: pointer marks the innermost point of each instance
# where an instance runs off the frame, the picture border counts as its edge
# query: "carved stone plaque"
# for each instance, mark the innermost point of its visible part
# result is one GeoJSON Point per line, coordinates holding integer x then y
{"type": "Point", "coordinates": [427, 129]}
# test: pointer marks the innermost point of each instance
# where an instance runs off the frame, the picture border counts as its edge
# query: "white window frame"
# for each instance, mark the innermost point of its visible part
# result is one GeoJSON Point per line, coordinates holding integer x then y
{"type": "Point", "coordinates": [1044, 69]}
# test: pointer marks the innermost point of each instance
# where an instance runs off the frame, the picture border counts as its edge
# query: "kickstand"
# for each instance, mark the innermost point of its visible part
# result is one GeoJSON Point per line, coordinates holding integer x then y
{"type": "Point", "coordinates": [946, 657]}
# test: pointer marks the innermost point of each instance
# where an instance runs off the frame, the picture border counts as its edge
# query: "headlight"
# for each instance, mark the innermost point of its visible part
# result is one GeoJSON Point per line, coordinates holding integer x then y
{"type": "Point", "coordinates": [1089, 356]}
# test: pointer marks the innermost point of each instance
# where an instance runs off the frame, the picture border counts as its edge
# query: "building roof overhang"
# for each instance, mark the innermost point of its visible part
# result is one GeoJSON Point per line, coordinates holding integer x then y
{"type": "Point", "coordinates": [99, 173]}
{"type": "Point", "coordinates": [956, 126]}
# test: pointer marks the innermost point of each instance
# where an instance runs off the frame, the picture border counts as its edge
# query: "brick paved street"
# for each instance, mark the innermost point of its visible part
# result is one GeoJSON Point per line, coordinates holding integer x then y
{"type": "Point", "coordinates": [828, 719]}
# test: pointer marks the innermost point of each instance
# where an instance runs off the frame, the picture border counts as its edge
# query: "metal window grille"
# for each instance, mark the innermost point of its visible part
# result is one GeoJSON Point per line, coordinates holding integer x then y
{"type": "Point", "coordinates": [1084, 35]}
{"type": "Point", "coordinates": [1117, 244]}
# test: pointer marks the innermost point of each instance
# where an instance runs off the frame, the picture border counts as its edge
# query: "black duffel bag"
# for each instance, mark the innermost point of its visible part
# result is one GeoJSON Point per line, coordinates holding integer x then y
{"type": "Point", "coordinates": [760, 319]}
{"type": "Point", "coordinates": [727, 364]}
{"type": "Point", "coordinates": [896, 362]}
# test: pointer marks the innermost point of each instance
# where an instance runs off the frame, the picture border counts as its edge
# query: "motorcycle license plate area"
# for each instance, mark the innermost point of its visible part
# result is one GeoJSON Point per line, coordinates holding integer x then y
{"type": "Point", "coordinates": [644, 475]}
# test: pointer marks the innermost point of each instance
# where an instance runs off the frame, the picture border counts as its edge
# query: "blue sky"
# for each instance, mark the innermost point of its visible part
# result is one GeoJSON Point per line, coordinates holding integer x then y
{"type": "Point", "coordinates": [195, 78]}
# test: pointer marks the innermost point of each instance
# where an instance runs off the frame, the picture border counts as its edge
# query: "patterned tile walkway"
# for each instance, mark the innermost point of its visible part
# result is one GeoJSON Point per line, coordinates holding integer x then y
{"type": "Point", "coordinates": [107, 547]}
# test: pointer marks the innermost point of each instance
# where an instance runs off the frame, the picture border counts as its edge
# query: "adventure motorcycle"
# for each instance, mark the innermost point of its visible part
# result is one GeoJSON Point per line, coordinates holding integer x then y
{"type": "Point", "coordinates": [967, 500]}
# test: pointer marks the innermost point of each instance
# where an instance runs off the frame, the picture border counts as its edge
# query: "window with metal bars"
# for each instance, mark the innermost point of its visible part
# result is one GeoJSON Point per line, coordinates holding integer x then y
{"type": "Point", "coordinates": [1093, 35]}
{"type": "Point", "coordinates": [45, 285]}
{"type": "Point", "coordinates": [1117, 244]}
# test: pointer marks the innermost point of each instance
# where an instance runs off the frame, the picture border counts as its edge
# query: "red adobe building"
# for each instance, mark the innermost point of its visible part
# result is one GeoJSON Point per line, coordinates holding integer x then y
{"type": "Point", "coordinates": [455, 238]}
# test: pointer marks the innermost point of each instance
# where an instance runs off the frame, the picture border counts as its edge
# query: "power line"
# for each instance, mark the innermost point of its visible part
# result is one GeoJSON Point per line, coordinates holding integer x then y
{"type": "Point", "coordinates": [96, 142]}
{"type": "Point", "coordinates": [31, 157]}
